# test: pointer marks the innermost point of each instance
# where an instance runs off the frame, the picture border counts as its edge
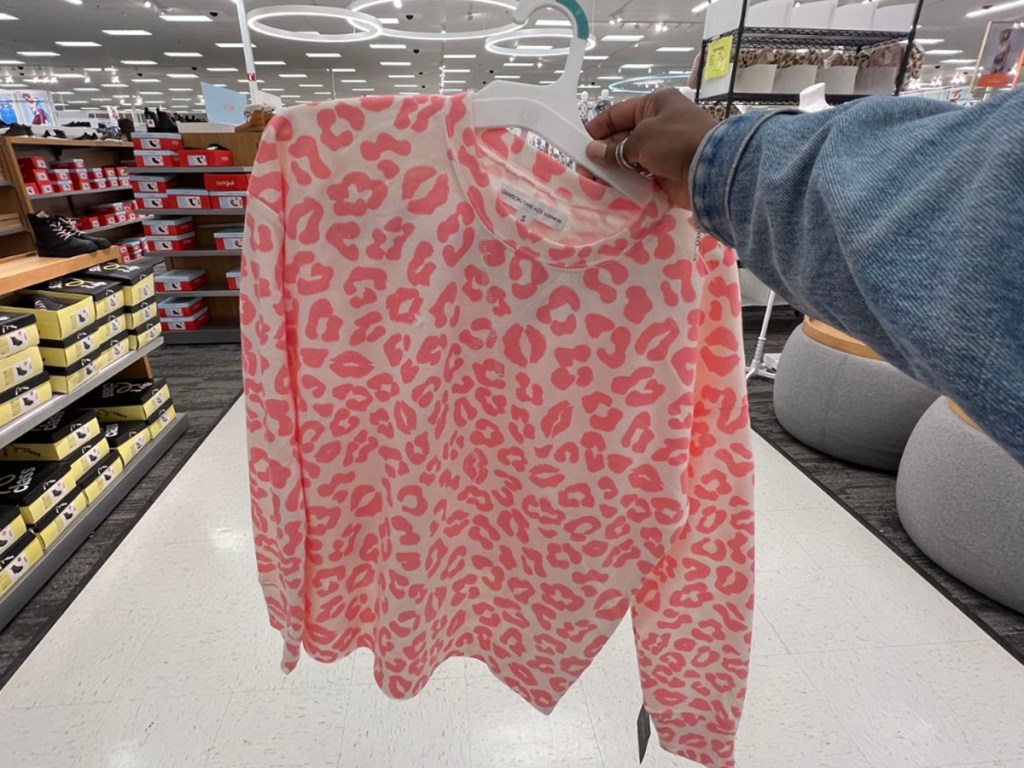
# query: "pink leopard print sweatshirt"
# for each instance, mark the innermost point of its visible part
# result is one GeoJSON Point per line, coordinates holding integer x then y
{"type": "Point", "coordinates": [493, 407]}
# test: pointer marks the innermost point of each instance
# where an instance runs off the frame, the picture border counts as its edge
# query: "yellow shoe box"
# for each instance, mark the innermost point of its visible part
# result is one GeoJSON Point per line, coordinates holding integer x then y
{"type": "Point", "coordinates": [128, 400]}
{"type": "Point", "coordinates": [56, 438]}
{"type": "Point", "coordinates": [12, 527]}
{"type": "Point", "coordinates": [88, 456]}
{"type": "Point", "coordinates": [136, 278]}
{"type": "Point", "coordinates": [127, 438]}
{"type": "Point", "coordinates": [138, 315]}
{"type": "Point", "coordinates": [160, 420]}
{"type": "Point", "coordinates": [60, 353]}
{"type": "Point", "coordinates": [49, 528]}
{"type": "Point", "coordinates": [99, 478]}
{"type": "Point", "coordinates": [18, 331]}
{"type": "Point", "coordinates": [113, 351]}
{"type": "Point", "coordinates": [72, 505]}
{"type": "Point", "coordinates": [147, 334]}
{"type": "Point", "coordinates": [107, 295]}
{"type": "Point", "coordinates": [35, 487]}
{"type": "Point", "coordinates": [115, 323]}
{"type": "Point", "coordinates": [56, 323]}
{"type": "Point", "coordinates": [70, 378]}
{"type": "Point", "coordinates": [20, 367]}
{"type": "Point", "coordinates": [18, 558]}
{"type": "Point", "coordinates": [17, 400]}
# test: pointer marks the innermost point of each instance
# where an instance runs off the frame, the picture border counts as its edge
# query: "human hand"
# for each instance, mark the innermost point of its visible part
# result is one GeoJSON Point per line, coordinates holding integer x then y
{"type": "Point", "coordinates": [664, 130]}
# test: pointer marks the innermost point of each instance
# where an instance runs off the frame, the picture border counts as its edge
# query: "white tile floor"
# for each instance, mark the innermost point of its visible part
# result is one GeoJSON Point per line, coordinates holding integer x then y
{"type": "Point", "coordinates": [164, 661]}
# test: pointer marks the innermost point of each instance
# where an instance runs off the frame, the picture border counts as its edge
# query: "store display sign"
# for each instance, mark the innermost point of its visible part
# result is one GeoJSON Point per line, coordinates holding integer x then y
{"type": "Point", "coordinates": [224, 105]}
{"type": "Point", "coordinates": [719, 53]}
{"type": "Point", "coordinates": [26, 107]}
{"type": "Point", "coordinates": [1002, 55]}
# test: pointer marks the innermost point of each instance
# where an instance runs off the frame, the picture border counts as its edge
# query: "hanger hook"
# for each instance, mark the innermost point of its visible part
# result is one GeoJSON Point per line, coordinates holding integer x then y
{"type": "Point", "coordinates": [580, 22]}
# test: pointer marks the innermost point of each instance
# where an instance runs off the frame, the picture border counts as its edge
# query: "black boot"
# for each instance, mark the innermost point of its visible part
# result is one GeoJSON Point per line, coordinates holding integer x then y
{"type": "Point", "coordinates": [54, 240]}
{"type": "Point", "coordinates": [101, 242]}
{"type": "Point", "coordinates": [164, 123]}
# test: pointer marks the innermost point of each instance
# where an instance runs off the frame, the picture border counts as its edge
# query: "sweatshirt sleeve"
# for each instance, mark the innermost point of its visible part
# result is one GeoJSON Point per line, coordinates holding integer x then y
{"type": "Point", "coordinates": [896, 221]}
{"type": "Point", "coordinates": [275, 476]}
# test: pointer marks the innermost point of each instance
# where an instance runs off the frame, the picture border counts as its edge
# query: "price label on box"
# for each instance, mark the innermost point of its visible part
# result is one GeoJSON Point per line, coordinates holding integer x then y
{"type": "Point", "coordinates": [719, 54]}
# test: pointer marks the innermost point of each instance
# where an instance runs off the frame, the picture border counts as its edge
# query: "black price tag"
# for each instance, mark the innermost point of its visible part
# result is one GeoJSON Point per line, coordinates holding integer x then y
{"type": "Point", "coordinates": [643, 732]}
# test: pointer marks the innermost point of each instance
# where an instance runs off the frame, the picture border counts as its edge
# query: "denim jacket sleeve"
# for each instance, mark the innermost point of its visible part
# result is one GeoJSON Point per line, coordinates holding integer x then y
{"type": "Point", "coordinates": [899, 221]}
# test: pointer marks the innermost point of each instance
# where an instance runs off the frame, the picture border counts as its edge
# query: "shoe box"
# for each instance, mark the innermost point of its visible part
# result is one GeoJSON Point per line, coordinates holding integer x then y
{"type": "Point", "coordinates": [20, 367]}
{"type": "Point", "coordinates": [190, 199]}
{"type": "Point", "coordinates": [99, 478]}
{"type": "Point", "coordinates": [132, 249]}
{"type": "Point", "coordinates": [18, 331]}
{"type": "Point", "coordinates": [35, 487]}
{"type": "Point", "coordinates": [113, 324]}
{"type": "Point", "coordinates": [124, 400]}
{"type": "Point", "coordinates": [115, 349]}
{"type": "Point", "coordinates": [140, 314]}
{"type": "Point", "coordinates": [55, 439]}
{"type": "Point", "coordinates": [107, 295]}
{"type": "Point", "coordinates": [171, 243]}
{"type": "Point", "coordinates": [148, 142]}
{"type": "Point", "coordinates": [160, 420]}
{"type": "Point", "coordinates": [153, 184]}
{"type": "Point", "coordinates": [22, 397]}
{"type": "Point", "coordinates": [172, 227]}
{"type": "Point", "coordinates": [145, 334]}
{"type": "Point", "coordinates": [229, 239]}
{"type": "Point", "coordinates": [199, 320]}
{"type": "Point", "coordinates": [56, 317]}
{"type": "Point", "coordinates": [136, 279]}
{"type": "Point", "coordinates": [114, 213]}
{"type": "Point", "coordinates": [229, 201]}
{"type": "Point", "coordinates": [181, 307]}
{"type": "Point", "coordinates": [178, 280]}
{"type": "Point", "coordinates": [226, 182]}
{"type": "Point", "coordinates": [65, 379]}
{"type": "Point", "coordinates": [234, 277]}
{"type": "Point", "coordinates": [205, 158]}
{"type": "Point", "coordinates": [18, 558]}
{"type": "Point", "coordinates": [60, 353]}
{"type": "Point", "coordinates": [12, 528]}
{"type": "Point", "coordinates": [154, 202]}
{"type": "Point", "coordinates": [157, 158]}
{"type": "Point", "coordinates": [127, 438]}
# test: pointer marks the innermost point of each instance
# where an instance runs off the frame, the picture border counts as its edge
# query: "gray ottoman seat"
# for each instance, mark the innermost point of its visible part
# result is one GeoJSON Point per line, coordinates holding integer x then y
{"type": "Point", "coordinates": [961, 498]}
{"type": "Point", "coordinates": [836, 395]}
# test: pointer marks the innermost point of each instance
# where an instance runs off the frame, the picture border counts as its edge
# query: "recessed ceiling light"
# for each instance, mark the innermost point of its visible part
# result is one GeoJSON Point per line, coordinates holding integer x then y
{"type": "Point", "coordinates": [675, 49]}
{"type": "Point", "coordinates": [519, 64]}
{"type": "Point", "coordinates": [127, 32]}
{"type": "Point", "coordinates": [231, 45]}
{"type": "Point", "coordinates": [455, 81]}
{"type": "Point", "coordinates": [958, 61]}
{"type": "Point", "coordinates": [222, 69]}
{"type": "Point", "coordinates": [343, 69]}
{"type": "Point", "coordinates": [596, 57]}
{"type": "Point", "coordinates": [353, 81]}
{"type": "Point", "coordinates": [183, 54]}
{"type": "Point", "coordinates": [74, 2]}
{"type": "Point", "coordinates": [295, 75]}
{"type": "Point", "coordinates": [146, 80]}
{"type": "Point", "coordinates": [506, 77]}
{"type": "Point", "coordinates": [180, 90]}
{"type": "Point", "coordinates": [363, 90]}
{"type": "Point", "coordinates": [324, 55]}
{"type": "Point", "coordinates": [610, 77]}
{"type": "Point", "coordinates": [636, 66]}
{"type": "Point", "coordinates": [322, 93]}
{"type": "Point", "coordinates": [554, 23]}
{"type": "Point", "coordinates": [151, 93]}
{"type": "Point", "coordinates": [185, 17]}
{"type": "Point", "coordinates": [77, 44]}
{"type": "Point", "coordinates": [270, 63]}
{"type": "Point", "coordinates": [138, 62]}
{"type": "Point", "coordinates": [113, 85]}
{"type": "Point", "coordinates": [274, 90]}
{"type": "Point", "coordinates": [621, 38]}
{"type": "Point", "coordinates": [87, 89]}
{"type": "Point", "coordinates": [11, 62]}
{"type": "Point", "coordinates": [37, 53]}
{"type": "Point", "coordinates": [70, 76]}
{"type": "Point", "coordinates": [396, 63]}
{"type": "Point", "coordinates": [181, 98]}
{"type": "Point", "coordinates": [401, 77]}
{"type": "Point", "coordinates": [181, 76]}
{"type": "Point", "coordinates": [7, 17]}
{"type": "Point", "coordinates": [388, 46]}
{"type": "Point", "coordinates": [943, 52]}
{"type": "Point", "coordinates": [244, 81]}
{"type": "Point", "coordinates": [929, 40]}
{"type": "Point", "coordinates": [311, 85]}
{"type": "Point", "coordinates": [459, 56]}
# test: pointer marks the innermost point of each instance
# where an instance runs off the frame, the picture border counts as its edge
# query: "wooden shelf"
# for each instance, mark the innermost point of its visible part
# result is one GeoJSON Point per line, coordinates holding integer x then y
{"type": "Point", "coordinates": [207, 169]}
{"type": "Point", "coordinates": [12, 231]}
{"type": "Point", "coordinates": [78, 192]}
{"type": "Point", "coordinates": [217, 332]}
{"type": "Point", "coordinates": [35, 141]}
{"type": "Point", "coordinates": [18, 272]}
{"type": "Point", "coordinates": [128, 223]}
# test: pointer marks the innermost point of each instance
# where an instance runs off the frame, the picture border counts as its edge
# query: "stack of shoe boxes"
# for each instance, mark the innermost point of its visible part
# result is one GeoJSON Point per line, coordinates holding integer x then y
{"type": "Point", "coordinates": [23, 381]}
{"type": "Point", "coordinates": [133, 412]}
{"type": "Point", "coordinates": [137, 283]}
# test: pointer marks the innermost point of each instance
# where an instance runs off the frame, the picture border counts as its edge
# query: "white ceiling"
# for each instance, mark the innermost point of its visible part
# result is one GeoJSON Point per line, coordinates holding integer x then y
{"type": "Point", "coordinates": [41, 23]}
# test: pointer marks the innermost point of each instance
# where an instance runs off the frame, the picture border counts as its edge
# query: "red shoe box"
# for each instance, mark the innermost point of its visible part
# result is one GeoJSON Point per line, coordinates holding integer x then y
{"type": "Point", "coordinates": [154, 202]}
{"type": "Point", "coordinates": [123, 216]}
{"type": "Point", "coordinates": [31, 189]}
{"type": "Point", "coordinates": [186, 242]}
{"type": "Point", "coordinates": [229, 201]}
{"type": "Point", "coordinates": [46, 188]}
{"type": "Point", "coordinates": [229, 240]}
{"type": "Point", "coordinates": [181, 280]}
{"type": "Point", "coordinates": [118, 207]}
{"type": "Point", "coordinates": [64, 186]}
{"type": "Point", "coordinates": [124, 254]}
{"type": "Point", "coordinates": [145, 185]}
{"type": "Point", "coordinates": [158, 158]}
{"type": "Point", "coordinates": [81, 184]}
{"type": "Point", "coordinates": [110, 172]}
{"type": "Point", "coordinates": [205, 158]}
{"type": "Point", "coordinates": [181, 225]}
{"type": "Point", "coordinates": [60, 174]}
{"type": "Point", "coordinates": [227, 182]}
{"type": "Point", "coordinates": [190, 199]}
{"type": "Point", "coordinates": [76, 163]}
{"type": "Point", "coordinates": [32, 162]}
{"type": "Point", "coordinates": [193, 323]}
{"type": "Point", "coordinates": [234, 279]}
{"type": "Point", "coordinates": [100, 183]}
{"type": "Point", "coordinates": [96, 173]}
{"type": "Point", "coordinates": [37, 175]}
{"type": "Point", "coordinates": [89, 222]}
{"type": "Point", "coordinates": [180, 306]}
{"type": "Point", "coordinates": [151, 141]}
{"type": "Point", "coordinates": [108, 219]}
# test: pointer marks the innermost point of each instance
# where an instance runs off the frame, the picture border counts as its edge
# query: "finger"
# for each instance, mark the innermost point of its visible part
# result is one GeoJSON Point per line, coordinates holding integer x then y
{"type": "Point", "coordinates": [618, 118]}
{"type": "Point", "coordinates": [604, 151]}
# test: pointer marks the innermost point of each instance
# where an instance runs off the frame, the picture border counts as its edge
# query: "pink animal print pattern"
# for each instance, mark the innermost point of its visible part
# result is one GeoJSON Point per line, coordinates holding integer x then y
{"type": "Point", "coordinates": [478, 431]}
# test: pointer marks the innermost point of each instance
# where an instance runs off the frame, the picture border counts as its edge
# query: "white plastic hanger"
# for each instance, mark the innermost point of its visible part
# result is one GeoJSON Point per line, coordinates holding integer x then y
{"type": "Point", "coordinates": [550, 110]}
{"type": "Point", "coordinates": [812, 98]}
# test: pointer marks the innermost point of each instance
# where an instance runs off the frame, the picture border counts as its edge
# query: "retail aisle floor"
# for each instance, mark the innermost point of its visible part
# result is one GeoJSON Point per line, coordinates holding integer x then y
{"type": "Point", "coordinates": [165, 661]}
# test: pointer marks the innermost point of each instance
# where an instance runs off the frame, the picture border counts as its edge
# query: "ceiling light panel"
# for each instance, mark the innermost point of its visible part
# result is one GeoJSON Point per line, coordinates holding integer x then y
{"type": "Point", "coordinates": [270, 63]}
{"type": "Point", "coordinates": [138, 62]}
{"type": "Point", "coordinates": [388, 46]}
{"type": "Point", "coordinates": [324, 55]}
{"type": "Point", "coordinates": [222, 69]}
{"type": "Point", "coordinates": [676, 49]}
{"type": "Point", "coordinates": [78, 44]}
{"type": "Point", "coordinates": [187, 18]}
{"type": "Point", "coordinates": [296, 75]}
{"type": "Point", "coordinates": [396, 63]}
{"type": "Point", "coordinates": [181, 76]}
{"type": "Point", "coordinates": [7, 17]}
{"type": "Point", "coordinates": [616, 38]}
{"type": "Point", "coordinates": [183, 54]}
{"type": "Point", "coordinates": [37, 54]}
{"type": "Point", "coordinates": [127, 32]}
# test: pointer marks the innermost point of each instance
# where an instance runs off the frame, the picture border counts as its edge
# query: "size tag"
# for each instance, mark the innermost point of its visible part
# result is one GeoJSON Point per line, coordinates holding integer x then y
{"type": "Point", "coordinates": [529, 209]}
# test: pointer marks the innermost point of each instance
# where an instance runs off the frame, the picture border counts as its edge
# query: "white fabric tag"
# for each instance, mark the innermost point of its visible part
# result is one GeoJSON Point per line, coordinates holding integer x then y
{"type": "Point", "coordinates": [530, 209]}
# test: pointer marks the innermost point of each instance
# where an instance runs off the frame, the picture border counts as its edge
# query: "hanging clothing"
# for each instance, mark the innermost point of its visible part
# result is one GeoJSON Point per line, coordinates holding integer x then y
{"type": "Point", "coordinates": [493, 406]}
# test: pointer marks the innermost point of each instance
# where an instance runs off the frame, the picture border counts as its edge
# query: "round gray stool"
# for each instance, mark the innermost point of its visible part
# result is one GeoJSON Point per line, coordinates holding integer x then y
{"type": "Point", "coordinates": [836, 395]}
{"type": "Point", "coordinates": [961, 498]}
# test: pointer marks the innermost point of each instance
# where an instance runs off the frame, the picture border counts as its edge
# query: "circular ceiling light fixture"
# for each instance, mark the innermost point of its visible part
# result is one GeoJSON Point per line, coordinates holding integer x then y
{"type": "Point", "coordinates": [648, 83]}
{"type": "Point", "coordinates": [495, 42]}
{"type": "Point", "coordinates": [445, 36]}
{"type": "Point", "coordinates": [367, 26]}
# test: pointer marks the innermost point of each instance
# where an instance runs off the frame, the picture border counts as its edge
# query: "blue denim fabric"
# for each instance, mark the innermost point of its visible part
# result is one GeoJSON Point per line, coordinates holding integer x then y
{"type": "Point", "coordinates": [899, 221]}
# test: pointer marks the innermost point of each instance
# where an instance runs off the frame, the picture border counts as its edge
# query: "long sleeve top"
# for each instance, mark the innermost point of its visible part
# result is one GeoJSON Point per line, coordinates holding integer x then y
{"type": "Point", "coordinates": [898, 221]}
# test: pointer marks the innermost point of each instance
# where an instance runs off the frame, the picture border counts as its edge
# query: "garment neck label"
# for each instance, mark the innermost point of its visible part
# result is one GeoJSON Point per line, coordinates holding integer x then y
{"type": "Point", "coordinates": [529, 209]}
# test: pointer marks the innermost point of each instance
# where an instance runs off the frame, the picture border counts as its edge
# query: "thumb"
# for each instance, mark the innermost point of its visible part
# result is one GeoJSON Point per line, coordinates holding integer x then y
{"type": "Point", "coordinates": [602, 152]}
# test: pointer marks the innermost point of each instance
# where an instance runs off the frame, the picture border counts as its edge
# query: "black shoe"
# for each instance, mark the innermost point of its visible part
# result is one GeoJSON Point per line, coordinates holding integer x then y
{"type": "Point", "coordinates": [101, 242]}
{"type": "Point", "coordinates": [164, 123]}
{"type": "Point", "coordinates": [18, 130]}
{"type": "Point", "coordinates": [59, 134]}
{"type": "Point", "coordinates": [53, 239]}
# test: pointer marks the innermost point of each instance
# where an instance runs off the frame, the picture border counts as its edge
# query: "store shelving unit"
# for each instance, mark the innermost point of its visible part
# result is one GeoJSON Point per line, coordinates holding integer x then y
{"type": "Point", "coordinates": [745, 37]}
{"type": "Point", "coordinates": [21, 267]}
{"type": "Point", "coordinates": [210, 294]}
{"type": "Point", "coordinates": [208, 169]}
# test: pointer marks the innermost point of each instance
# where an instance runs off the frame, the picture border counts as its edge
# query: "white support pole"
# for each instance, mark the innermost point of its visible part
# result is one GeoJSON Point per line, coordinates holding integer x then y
{"type": "Point", "coordinates": [250, 62]}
